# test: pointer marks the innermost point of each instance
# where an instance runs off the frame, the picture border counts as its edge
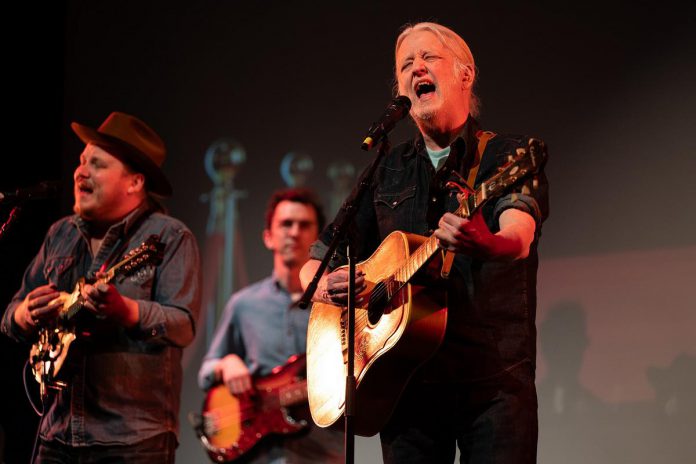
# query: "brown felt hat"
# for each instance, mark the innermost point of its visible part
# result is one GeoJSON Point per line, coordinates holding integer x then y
{"type": "Point", "coordinates": [134, 143]}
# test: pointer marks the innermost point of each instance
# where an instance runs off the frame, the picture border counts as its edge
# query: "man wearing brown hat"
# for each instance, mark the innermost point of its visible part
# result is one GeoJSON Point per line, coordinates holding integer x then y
{"type": "Point", "coordinates": [116, 395]}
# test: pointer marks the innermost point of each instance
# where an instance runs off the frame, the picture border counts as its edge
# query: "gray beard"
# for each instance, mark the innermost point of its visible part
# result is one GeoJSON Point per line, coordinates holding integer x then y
{"type": "Point", "coordinates": [425, 116]}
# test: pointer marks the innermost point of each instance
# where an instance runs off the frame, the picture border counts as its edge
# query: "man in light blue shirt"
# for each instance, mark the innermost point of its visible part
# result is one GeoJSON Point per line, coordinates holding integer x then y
{"type": "Point", "coordinates": [260, 328]}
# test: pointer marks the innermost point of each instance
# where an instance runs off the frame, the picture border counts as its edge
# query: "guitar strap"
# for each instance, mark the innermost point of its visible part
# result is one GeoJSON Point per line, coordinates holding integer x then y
{"type": "Point", "coordinates": [483, 138]}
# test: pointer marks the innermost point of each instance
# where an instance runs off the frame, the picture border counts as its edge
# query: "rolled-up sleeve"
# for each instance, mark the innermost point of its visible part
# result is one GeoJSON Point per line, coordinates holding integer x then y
{"type": "Point", "coordinates": [518, 201]}
{"type": "Point", "coordinates": [532, 198]}
{"type": "Point", "coordinates": [171, 314]}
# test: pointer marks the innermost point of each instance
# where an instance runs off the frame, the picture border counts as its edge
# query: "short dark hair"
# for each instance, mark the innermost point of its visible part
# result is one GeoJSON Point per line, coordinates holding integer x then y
{"type": "Point", "coordinates": [297, 195]}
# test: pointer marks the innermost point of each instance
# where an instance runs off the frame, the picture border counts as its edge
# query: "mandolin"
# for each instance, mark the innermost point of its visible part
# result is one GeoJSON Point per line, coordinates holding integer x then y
{"type": "Point", "coordinates": [48, 353]}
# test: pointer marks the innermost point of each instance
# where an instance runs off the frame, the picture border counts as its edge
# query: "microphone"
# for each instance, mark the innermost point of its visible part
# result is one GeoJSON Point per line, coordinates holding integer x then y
{"type": "Point", "coordinates": [40, 191]}
{"type": "Point", "coordinates": [395, 112]}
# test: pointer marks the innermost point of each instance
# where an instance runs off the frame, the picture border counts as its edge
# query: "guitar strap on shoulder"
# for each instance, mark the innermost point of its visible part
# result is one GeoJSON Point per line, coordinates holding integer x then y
{"type": "Point", "coordinates": [483, 138]}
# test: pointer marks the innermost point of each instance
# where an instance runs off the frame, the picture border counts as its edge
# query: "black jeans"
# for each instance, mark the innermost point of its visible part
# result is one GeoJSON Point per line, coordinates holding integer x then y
{"type": "Point", "coordinates": [492, 422]}
{"type": "Point", "coordinates": [159, 449]}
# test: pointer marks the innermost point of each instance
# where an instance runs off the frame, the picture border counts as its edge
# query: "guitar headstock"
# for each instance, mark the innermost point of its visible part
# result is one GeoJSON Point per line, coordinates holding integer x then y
{"type": "Point", "coordinates": [151, 251]}
{"type": "Point", "coordinates": [525, 162]}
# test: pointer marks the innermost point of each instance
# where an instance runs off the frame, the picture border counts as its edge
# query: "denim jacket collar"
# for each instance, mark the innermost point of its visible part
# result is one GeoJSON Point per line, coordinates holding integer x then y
{"type": "Point", "coordinates": [121, 228]}
{"type": "Point", "coordinates": [467, 137]}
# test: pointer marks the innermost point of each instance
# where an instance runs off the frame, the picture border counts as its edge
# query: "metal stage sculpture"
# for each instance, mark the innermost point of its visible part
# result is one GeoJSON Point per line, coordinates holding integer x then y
{"type": "Point", "coordinates": [222, 163]}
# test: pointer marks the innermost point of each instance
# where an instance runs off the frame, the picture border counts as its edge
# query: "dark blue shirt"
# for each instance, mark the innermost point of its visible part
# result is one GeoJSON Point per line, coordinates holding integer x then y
{"type": "Point", "coordinates": [123, 385]}
{"type": "Point", "coordinates": [492, 304]}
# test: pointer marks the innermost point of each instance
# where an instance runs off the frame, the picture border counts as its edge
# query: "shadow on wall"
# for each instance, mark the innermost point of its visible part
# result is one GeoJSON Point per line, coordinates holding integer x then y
{"type": "Point", "coordinates": [578, 427]}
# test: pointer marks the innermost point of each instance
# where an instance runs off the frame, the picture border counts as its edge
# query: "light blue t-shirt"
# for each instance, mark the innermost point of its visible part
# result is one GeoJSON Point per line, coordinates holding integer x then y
{"type": "Point", "coordinates": [438, 157]}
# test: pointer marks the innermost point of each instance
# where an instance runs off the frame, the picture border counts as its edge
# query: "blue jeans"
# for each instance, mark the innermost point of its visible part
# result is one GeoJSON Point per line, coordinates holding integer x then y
{"type": "Point", "coordinates": [492, 422]}
{"type": "Point", "coordinates": [159, 449]}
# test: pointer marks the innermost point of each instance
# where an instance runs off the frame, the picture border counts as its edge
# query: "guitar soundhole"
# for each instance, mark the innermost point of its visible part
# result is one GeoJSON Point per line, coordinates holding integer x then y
{"type": "Point", "coordinates": [379, 299]}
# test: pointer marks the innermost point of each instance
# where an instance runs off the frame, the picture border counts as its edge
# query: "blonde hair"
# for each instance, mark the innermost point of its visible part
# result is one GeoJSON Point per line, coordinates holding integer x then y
{"type": "Point", "coordinates": [463, 58]}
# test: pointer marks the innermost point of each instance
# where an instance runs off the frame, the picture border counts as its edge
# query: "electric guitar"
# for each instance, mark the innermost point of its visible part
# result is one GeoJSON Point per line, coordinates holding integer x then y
{"type": "Point", "coordinates": [230, 426]}
{"type": "Point", "coordinates": [398, 325]}
{"type": "Point", "coordinates": [48, 353]}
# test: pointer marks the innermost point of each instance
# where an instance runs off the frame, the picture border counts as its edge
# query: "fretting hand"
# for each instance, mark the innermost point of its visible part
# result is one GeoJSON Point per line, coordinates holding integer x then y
{"type": "Point", "coordinates": [473, 237]}
{"type": "Point", "coordinates": [104, 300]}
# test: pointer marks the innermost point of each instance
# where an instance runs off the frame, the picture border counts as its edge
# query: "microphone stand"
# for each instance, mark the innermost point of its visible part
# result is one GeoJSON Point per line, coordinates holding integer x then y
{"type": "Point", "coordinates": [11, 219]}
{"type": "Point", "coordinates": [343, 229]}
{"type": "Point", "coordinates": [20, 197]}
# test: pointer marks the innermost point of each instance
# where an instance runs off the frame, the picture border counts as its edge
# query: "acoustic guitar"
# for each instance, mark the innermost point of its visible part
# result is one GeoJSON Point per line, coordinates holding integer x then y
{"type": "Point", "coordinates": [399, 325]}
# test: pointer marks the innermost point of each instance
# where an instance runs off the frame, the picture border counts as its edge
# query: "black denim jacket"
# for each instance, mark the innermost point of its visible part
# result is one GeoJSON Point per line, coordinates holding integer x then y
{"type": "Point", "coordinates": [492, 304]}
{"type": "Point", "coordinates": [123, 385]}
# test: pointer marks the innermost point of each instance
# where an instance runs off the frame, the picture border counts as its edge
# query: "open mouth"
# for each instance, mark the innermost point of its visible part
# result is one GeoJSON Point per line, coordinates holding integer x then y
{"type": "Point", "coordinates": [424, 87]}
{"type": "Point", "coordinates": [85, 188]}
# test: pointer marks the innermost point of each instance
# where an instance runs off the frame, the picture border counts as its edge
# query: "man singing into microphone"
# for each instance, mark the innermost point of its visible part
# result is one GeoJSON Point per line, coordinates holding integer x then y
{"type": "Point", "coordinates": [116, 397]}
{"type": "Point", "coordinates": [477, 392]}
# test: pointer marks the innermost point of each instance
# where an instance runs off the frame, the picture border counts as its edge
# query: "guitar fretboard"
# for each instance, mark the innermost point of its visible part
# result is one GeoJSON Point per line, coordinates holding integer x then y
{"type": "Point", "coordinates": [293, 394]}
{"type": "Point", "coordinates": [428, 248]}
{"type": "Point", "coordinates": [149, 252]}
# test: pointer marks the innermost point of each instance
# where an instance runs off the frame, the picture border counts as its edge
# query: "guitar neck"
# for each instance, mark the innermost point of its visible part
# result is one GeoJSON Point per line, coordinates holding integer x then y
{"type": "Point", "coordinates": [119, 267]}
{"type": "Point", "coordinates": [428, 248]}
{"type": "Point", "coordinates": [293, 394]}
{"type": "Point", "coordinates": [149, 252]}
{"type": "Point", "coordinates": [523, 163]}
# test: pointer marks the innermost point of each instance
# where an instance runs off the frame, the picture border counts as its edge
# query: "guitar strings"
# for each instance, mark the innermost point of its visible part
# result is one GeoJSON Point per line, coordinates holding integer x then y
{"type": "Point", "coordinates": [411, 266]}
{"type": "Point", "coordinates": [404, 272]}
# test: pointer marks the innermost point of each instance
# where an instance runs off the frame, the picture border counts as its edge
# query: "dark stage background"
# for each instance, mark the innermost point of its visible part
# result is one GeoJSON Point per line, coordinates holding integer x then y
{"type": "Point", "coordinates": [609, 87]}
